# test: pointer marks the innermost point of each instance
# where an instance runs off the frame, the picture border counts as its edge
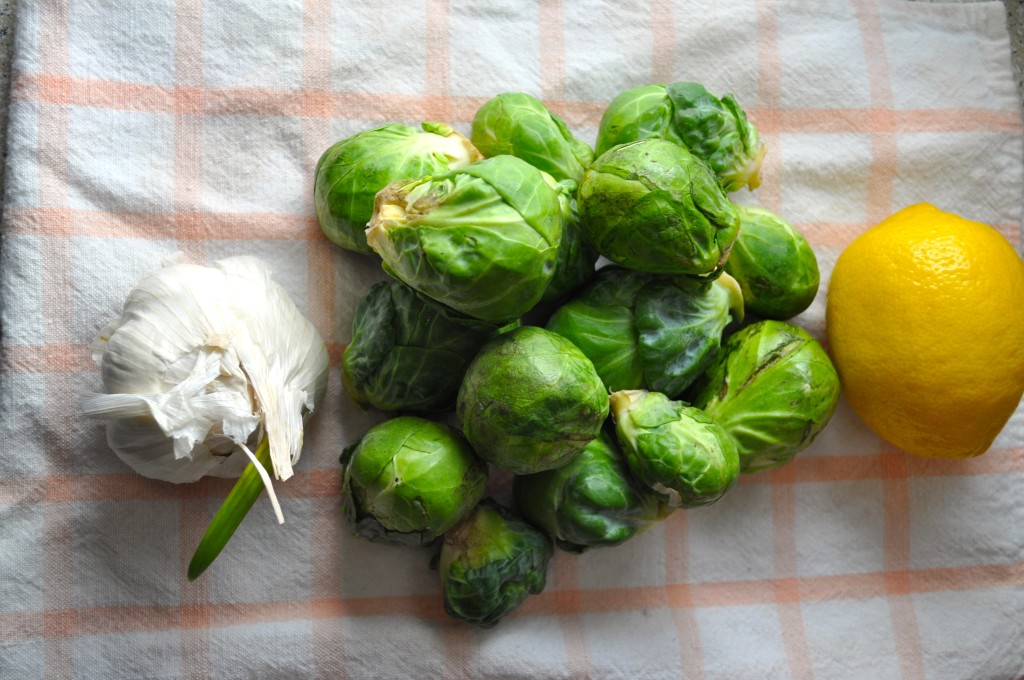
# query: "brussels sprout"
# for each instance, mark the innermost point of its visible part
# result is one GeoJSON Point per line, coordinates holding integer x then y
{"type": "Point", "coordinates": [647, 331]}
{"type": "Point", "coordinates": [489, 562]}
{"type": "Point", "coordinates": [677, 450]}
{"type": "Point", "coordinates": [351, 172]}
{"type": "Point", "coordinates": [653, 206]}
{"type": "Point", "coordinates": [592, 501]}
{"type": "Point", "coordinates": [531, 401]}
{"type": "Point", "coordinates": [408, 480]}
{"type": "Point", "coordinates": [773, 264]}
{"type": "Point", "coordinates": [519, 125]}
{"type": "Point", "coordinates": [773, 388]}
{"type": "Point", "coordinates": [576, 258]}
{"type": "Point", "coordinates": [601, 322]}
{"type": "Point", "coordinates": [716, 130]}
{"type": "Point", "coordinates": [482, 240]}
{"type": "Point", "coordinates": [643, 112]}
{"type": "Point", "coordinates": [407, 351]}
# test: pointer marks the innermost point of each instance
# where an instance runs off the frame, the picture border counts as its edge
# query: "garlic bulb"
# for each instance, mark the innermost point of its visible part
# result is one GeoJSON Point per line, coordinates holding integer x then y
{"type": "Point", "coordinates": [203, 363]}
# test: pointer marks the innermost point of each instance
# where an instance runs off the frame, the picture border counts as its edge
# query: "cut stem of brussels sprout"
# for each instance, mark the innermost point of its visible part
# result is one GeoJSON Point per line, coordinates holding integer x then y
{"type": "Point", "coordinates": [750, 173]}
{"type": "Point", "coordinates": [234, 509]}
{"type": "Point", "coordinates": [736, 301]}
{"type": "Point", "coordinates": [454, 146]}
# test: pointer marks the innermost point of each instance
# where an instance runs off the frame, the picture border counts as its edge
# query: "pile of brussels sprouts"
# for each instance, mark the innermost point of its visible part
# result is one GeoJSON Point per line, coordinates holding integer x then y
{"type": "Point", "coordinates": [609, 329]}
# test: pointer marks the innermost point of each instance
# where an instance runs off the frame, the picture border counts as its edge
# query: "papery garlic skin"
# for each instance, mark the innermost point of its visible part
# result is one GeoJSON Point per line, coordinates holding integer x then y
{"type": "Point", "coordinates": [203, 360]}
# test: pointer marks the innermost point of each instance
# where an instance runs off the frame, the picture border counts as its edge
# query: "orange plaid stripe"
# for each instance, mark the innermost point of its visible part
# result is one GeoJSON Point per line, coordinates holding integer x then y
{"type": "Point", "coordinates": [896, 493]}
{"type": "Point", "coordinates": [128, 486]}
{"type": "Point", "coordinates": [70, 622]}
{"type": "Point", "coordinates": [382, 107]}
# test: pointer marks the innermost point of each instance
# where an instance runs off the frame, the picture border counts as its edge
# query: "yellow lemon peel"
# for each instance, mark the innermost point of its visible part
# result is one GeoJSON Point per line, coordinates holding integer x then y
{"type": "Point", "coordinates": [925, 320]}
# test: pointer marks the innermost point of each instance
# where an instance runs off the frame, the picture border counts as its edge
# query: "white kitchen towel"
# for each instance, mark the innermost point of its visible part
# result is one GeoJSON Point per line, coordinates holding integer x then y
{"type": "Point", "coordinates": [139, 128]}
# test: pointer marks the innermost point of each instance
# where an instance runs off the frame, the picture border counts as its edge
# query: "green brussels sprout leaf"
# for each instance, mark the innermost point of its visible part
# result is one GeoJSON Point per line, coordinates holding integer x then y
{"type": "Point", "coordinates": [601, 322]}
{"type": "Point", "coordinates": [489, 563]}
{"type": "Point", "coordinates": [593, 501]}
{"type": "Point", "coordinates": [643, 331]}
{"type": "Point", "coordinates": [576, 258]}
{"type": "Point", "coordinates": [675, 449]}
{"type": "Point", "coordinates": [482, 240]}
{"type": "Point", "coordinates": [643, 112]}
{"type": "Point", "coordinates": [408, 353]}
{"type": "Point", "coordinates": [714, 129]}
{"type": "Point", "coordinates": [773, 388]}
{"type": "Point", "coordinates": [530, 401]}
{"type": "Point", "coordinates": [680, 329]}
{"type": "Point", "coordinates": [518, 124]}
{"type": "Point", "coordinates": [718, 131]}
{"type": "Point", "coordinates": [774, 265]}
{"type": "Point", "coordinates": [653, 206]}
{"type": "Point", "coordinates": [408, 480]}
{"type": "Point", "coordinates": [351, 172]}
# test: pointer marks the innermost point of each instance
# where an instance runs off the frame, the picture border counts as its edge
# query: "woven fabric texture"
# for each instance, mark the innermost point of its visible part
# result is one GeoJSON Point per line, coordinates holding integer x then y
{"type": "Point", "coordinates": [140, 128]}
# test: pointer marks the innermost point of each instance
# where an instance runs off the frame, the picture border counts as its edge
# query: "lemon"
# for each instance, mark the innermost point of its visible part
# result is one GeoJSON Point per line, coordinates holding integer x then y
{"type": "Point", "coordinates": [925, 322]}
